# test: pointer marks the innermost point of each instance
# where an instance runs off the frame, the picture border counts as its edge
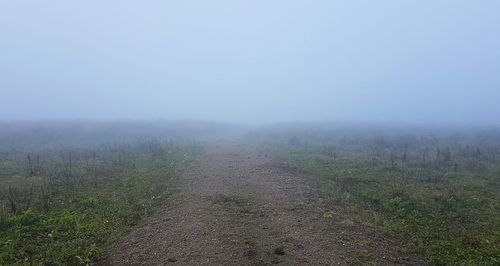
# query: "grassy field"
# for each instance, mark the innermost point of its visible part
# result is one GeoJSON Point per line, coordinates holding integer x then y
{"type": "Point", "coordinates": [65, 197]}
{"type": "Point", "coordinates": [66, 194]}
{"type": "Point", "coordinates": [439, 193]}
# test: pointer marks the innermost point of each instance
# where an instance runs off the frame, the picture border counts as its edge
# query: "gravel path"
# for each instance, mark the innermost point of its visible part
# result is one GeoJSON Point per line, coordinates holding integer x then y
{"type": "Point", "coordinates": [239, 206]}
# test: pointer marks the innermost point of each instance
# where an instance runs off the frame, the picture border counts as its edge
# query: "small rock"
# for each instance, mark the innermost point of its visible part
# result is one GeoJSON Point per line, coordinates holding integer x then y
{"type": "Point", "coordinates": [172, 259]}
{"type": "Point", "coordinates": [347, 222]}
{"type": "Point", "coordinates": [328, 214]}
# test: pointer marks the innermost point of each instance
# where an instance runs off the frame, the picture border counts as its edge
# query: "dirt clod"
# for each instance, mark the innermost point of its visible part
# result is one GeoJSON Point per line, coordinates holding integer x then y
{"type": "Point", "coordinates": [279, 250]}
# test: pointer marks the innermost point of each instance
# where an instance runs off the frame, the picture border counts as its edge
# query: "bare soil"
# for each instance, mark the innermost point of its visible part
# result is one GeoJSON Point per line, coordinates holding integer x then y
{"type": "Point", "coordinates": [239, 206]}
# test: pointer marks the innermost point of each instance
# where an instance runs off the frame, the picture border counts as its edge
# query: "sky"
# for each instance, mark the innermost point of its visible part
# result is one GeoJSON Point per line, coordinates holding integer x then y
{"type": "Point", "coordinates": [253, 61]}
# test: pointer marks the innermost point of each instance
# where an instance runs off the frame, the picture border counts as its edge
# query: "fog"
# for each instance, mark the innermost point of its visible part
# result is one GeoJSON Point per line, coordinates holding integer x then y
{"type": "Point", "coordinates": [251, 61]}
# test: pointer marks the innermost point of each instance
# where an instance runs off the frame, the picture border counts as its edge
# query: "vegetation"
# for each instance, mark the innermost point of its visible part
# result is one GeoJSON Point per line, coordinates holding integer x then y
{"type": "Point", "coordinates": [63, 205]}
{"type": "Point", "coordinates": [440, 192]}
{"type": "Point", "coordinates": [65, 195]}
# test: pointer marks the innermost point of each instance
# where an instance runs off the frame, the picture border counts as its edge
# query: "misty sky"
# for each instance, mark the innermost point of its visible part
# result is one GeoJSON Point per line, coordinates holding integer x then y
{"type": "Point", "coordinates": [251, 61]}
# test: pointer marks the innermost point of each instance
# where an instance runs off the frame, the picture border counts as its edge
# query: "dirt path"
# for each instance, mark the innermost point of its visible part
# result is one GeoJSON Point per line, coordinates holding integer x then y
{"type": "Point", "coordinates": [237, 206]}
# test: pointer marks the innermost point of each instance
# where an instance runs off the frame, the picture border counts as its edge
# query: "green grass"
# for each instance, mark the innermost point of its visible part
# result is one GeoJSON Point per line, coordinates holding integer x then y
{"type": "Point", "coordinates": [447, 217]}
{"type": "Point", "coordinates": [83, 220]}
